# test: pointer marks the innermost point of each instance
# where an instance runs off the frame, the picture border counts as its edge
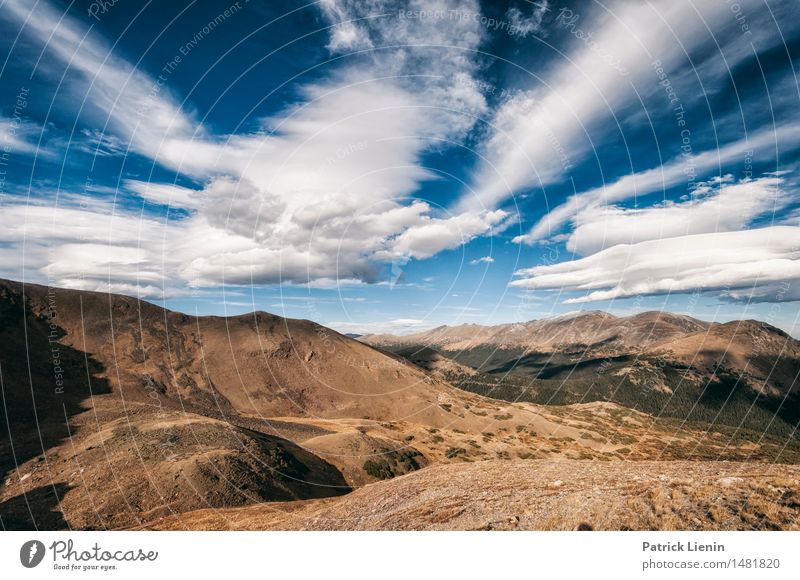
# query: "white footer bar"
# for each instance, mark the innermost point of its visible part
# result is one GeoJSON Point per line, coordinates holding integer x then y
{"type": "Point", "coordinates": [387, 555]}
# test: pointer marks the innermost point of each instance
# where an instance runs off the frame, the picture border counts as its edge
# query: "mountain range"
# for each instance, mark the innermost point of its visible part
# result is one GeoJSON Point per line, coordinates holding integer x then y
{"type": "Point", "coordinates": [742, 373]}
{"type": "Point", "coordinates": [118, 413]}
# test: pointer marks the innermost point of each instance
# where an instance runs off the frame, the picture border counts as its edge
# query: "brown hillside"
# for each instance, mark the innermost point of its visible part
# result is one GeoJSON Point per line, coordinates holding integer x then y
{"type": "Point", "coordinates": [121, 412]}
{"type": "Point", "coordinates": [255, 364]}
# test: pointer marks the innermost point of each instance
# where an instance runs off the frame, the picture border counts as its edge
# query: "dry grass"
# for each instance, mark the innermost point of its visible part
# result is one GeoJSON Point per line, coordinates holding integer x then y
{"type": "Point", "coordinates": [545, 495]}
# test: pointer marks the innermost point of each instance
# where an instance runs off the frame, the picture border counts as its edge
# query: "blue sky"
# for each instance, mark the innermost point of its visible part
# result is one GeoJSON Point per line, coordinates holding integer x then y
{"type": "Point", "coordinates": [391, 166]}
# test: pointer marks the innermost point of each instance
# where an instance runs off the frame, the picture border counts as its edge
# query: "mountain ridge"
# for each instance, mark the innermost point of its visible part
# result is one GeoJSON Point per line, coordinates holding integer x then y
{"type": "Point", "coordinates": [742, 372]}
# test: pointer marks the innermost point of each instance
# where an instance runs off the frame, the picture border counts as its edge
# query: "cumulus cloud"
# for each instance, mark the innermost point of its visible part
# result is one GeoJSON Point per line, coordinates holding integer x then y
{"type": "Point", "coordinates": [322, 191]}
{"type": "Point", "coordinates": [741, 265]}
{"type": "Point", "coordinates": [425, 56]}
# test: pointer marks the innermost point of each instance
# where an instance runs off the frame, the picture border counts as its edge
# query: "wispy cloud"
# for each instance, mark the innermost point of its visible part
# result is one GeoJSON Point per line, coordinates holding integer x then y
{"type": "Point", "coordinates": [396, 326]}
{"type": "Point", "coordinates": [19, 136]}
{"type": "Point", "coordinates": [543, 132]}
{"type": "Point", "coordinates": [716, 206]}
{"type": "Point", "coordinates": [166, 194]}
{"type": "Point", "coordinates": [132, 103]}
{"type": "Point", "coordinates": [757, 264]}
{"type": "Point", "coordinates": [675, 172]}
{"type": "Point", "coordinates": [529, 21]}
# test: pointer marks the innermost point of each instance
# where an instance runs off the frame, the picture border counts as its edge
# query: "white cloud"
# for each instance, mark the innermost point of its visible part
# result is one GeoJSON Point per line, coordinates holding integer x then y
{"type": "Point", "coordinates": [741, 265]}
{"type": "Point", "coordinates": [434, 235]}
{"type": "Point", "coordinates": [17, 136]}
{"type": "Point", "coordinates": [791, 219]}
{"type": "Point", "coordinates": [524, 25]}
{"type": "Point", "coordinates": [406, 322]}
{"type": "Point", "coordinates": [396, 326]}
{"type": "Point", "coordinates": [165, 194]}
{"type": "Point", "coordinates": [483, 260]}
{"type": "Point", "coordinates": [321, 195]}
{"type": "Point", "coordinates": [127, 99]}
{"type": "Point", "coordinates": [346, 34]}
{"type": "Point", "coordinates": [99, 144]}
{"type": "Point", "coordinates": [529, 128]}
{"type": "Point", "coordinates": [82, 243]}
{"type": "Point", "coordinates": [668, 175]}
{"type": "Point", "coordinates": [538, 135]}
{"type": "Point", "coordinates": [716, 206]}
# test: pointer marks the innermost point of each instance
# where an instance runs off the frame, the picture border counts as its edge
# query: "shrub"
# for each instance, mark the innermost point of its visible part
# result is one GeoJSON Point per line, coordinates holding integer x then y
{"type": "Point", "coordinates": [379, 469]}
{"type": "Point", "coordinates": [392, 464]}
